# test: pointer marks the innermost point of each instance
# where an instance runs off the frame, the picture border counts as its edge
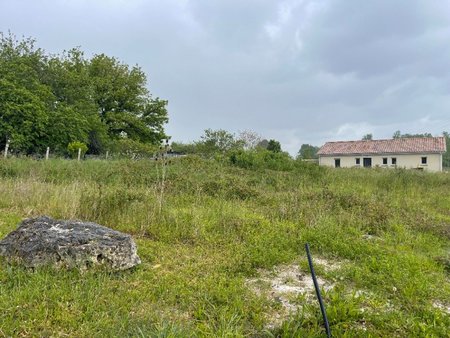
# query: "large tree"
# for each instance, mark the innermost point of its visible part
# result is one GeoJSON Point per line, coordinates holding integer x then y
{"type": "Point", "coordinates": [74, 116]}
{"type": "Point", "coordinates": [24, 99]}
{"type": "Point", "coordinates": [123, 101]}
{"type": "Point", "coordinates": [52, 100]}
{"type": "Point", "coordinates": [22, 118]}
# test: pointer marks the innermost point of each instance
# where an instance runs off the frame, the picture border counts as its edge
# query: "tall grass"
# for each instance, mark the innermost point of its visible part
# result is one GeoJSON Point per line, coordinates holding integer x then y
{"type": "Point", "coordinates": [220, 222]}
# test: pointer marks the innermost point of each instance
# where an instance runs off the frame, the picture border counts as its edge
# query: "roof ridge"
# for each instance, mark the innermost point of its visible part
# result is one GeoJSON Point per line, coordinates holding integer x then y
{"type": "Point", "coordinates": [389, 139]}
{"type": "Point", "coordinates": [411, 145]}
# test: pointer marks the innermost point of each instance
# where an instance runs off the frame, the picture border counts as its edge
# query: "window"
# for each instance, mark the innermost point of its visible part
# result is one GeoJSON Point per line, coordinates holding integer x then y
{"type": "Point", "coordinates": [424, 160]}
{"type": "Point", "coordinates": [394, 161]}
{"type": "Point", "coordinates": [358, 161]}
{"type": "Point", "coordinates": [337, 162]}
{"type": "Point", "coordinates": [384, 160]}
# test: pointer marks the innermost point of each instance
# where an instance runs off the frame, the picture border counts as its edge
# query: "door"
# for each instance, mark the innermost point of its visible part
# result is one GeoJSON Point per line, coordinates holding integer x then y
{"type": "Point", "coordinates": [367, 162]}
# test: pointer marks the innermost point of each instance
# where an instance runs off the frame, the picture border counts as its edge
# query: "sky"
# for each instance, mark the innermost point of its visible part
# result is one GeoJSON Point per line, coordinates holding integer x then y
{"type": "Point", "coordinates": [298, 71]}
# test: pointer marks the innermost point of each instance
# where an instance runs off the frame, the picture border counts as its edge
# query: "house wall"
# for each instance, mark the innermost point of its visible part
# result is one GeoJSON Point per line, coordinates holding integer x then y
{"type": "Point", "coordinates": [409, 161]}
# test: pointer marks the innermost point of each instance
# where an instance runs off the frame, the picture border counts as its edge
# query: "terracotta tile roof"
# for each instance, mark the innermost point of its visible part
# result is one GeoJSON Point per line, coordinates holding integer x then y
{"type": "Point", "coordinates": [393, 146]}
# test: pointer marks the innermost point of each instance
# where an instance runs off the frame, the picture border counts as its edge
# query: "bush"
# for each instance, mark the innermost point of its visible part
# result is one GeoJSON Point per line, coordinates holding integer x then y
{"type": "Point", "coordinates": [133, 149]}
{"type": "Point", "coordinates": [261, 159]}
{"type": "Point", "coordinates": [73, 148]}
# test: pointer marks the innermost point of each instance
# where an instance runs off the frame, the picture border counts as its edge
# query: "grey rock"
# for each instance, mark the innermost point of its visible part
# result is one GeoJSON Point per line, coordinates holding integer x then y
{"type": "Point", "coordinates": [73, 244]}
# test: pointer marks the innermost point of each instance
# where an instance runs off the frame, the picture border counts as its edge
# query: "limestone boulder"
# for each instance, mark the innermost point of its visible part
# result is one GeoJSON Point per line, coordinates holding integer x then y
{"type": "Point", "coordinates": [73, 244]}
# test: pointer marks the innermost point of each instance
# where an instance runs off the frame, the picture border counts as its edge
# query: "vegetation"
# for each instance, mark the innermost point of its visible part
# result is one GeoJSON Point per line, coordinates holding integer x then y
{"type": "Point", "coordinates": [308, 151]}
{"type": "Point", "coordinates": [205, 224]}
{"type": "Point", "coordinates": [52, 100]}
{"type": "Point", "coordinates": [398, 134]}
{"type": "Point", "coordinates": [219, 223]}
{"type": "Point", "coordinates": [74, 147]}
{"type": "Point", "coordinates": [274, 146]}
{"type": "Point", "coordinates": [446, 156]}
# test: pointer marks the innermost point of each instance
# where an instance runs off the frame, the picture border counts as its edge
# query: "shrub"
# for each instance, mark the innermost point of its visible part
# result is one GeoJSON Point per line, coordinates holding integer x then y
{"type": "Point", "coordinates": [261, 159]}
{"type": "Point", "coordinates": [133, 149]}
{"type": "Point", "coordinates": [73, 148]}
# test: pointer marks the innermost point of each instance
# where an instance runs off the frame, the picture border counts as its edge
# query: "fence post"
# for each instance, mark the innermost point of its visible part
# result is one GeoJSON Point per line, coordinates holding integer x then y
{"type": "Point", "coordinates": [107, 153]}
{"type": "Point", "coordinates": [79, 154]}
{"type": "Point", "coordinates": [47, 153]}
{"type": "Point", "coordinates": [6, 148]}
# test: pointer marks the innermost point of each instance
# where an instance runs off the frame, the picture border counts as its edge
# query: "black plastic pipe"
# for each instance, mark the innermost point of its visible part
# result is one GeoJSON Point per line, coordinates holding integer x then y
{"type": "Point", "coordinates": [319, 296]}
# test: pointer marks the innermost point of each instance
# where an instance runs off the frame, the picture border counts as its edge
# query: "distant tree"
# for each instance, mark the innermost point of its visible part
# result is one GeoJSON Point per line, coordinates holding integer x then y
{"type": "Point", "coordinates": [367, 137]}
{"type": "Point", "coordinates": [249, 139]}
{"type": "Point", "coordinates": [184, 148]}
{"type": "Point", "coordinates": [274, 146]}
{"type": "Point", "coordinates": [217, 141]}
{"type": "Point", "coordinates": [398, 134]}
{"type": "Point", "coordinates": [308, 151]}
{"type": "Point", "coordinates": [263, 144]}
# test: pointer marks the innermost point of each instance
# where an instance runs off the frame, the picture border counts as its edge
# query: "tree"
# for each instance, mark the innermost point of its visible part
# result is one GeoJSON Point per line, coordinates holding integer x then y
{"type": "Point", "coordinates": [52, 100]}
{"type": "Point", "coordinates": [68, 77]}
{"type": "Point", "coordinates": [367, 137]}
{"type": "Point", "coordinates": [24, 100]}
{"type": "Point", "coordinates": [22, 117]}
{"type": "Point", "coordinates": [308, 151]}
{"type": "Point", "coordinates": [263, 144]}
{"type": "Point", "coordinates": [124, 104]}
{"type": "Point", "coordinates": [274, 146]}
{"type": "Point", "coordinates": [184, 148]}
{"type": "Point", "coordinates": [398, 134]}
{"type": "Point", "coordinates": [249, 139]}
{"type": "Point", "coordinates": [217, 141]}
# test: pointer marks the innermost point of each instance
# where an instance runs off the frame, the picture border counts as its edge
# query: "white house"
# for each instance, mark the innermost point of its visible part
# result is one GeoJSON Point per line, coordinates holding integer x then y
{"type": "Point", "coordinates": [411, 153]}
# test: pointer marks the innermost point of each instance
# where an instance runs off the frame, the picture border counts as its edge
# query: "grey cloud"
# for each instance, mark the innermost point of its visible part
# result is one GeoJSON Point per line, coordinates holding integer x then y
{"type": "Point", "coordinates": [374, 37]}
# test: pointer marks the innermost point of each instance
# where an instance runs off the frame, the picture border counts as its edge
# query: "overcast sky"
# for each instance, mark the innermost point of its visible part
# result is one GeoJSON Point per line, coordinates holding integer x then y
{"type": "Point", "coordinates": [298, 71]}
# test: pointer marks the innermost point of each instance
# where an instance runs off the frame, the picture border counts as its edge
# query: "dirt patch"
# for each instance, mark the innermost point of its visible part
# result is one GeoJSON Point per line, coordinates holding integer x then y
{"type": "Point", "coordinates": [441, 306]}
{"type": "Point", "coordinates": [289, 287]}
{"type": "Point", "coordinates": [327, 265]}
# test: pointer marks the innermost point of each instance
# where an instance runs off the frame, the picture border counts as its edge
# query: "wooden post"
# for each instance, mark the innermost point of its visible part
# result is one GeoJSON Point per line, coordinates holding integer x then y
{"type": "Point", "coordinates": [107, 153]}
{"type": "Point", "coordinates": [79, 154]}
{"type": "Point", "coordinates": [47, 153]}
{"type": "Point", "coordinates": [6, 148]}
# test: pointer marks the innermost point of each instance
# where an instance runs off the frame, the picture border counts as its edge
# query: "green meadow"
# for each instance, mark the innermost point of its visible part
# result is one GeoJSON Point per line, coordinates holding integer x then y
{"type": "Point", "coordinates": [204, 228]}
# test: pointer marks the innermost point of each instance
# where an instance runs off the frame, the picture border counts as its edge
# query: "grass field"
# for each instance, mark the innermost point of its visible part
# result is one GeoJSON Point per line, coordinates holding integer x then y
{"type": "Point", "coordinates": [207, 233]}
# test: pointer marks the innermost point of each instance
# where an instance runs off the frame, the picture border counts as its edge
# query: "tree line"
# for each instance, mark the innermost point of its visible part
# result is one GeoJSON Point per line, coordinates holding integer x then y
{"type": "Point", "coordinates": [221, 142]}
{"type": "Point", "coordinates": [52, 100]}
